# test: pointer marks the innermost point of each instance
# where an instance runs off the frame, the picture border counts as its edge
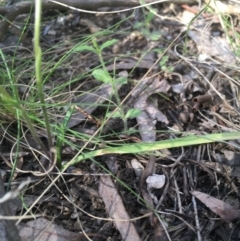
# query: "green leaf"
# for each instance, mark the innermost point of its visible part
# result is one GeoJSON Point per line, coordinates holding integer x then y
{"type": "Point", "coordinates": [108, 43]}
{"type": "Point", "coordinates": [138, 25]}
{"type": "Point", "coordinates": [102, 75]}
{"type": "Point", "coordinates": [67, 117]}
{"type": "Point", "coordinates": [121, 81]}
{"type": "Point", "coordinates": [81, 48]}
{"type": "Point", "coordinates": [133, 113]}
{"type": "Point", "coordinates": [94, 42]}
{"type": "Point", "coordinates": [155, 35]}
{"type": "Point", "coordinates": [61, 134]}
{"type": "Point", "coordinates": [163, 61]}
{"type": "Point", "coordinates": [150, 16]}
{"type": "Point", "coordinates": [114, 115]}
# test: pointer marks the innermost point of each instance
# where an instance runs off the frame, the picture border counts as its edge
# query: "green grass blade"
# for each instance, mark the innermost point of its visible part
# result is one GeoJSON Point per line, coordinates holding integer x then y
{"type": "Point", "coordinates": [38, 66]}
{"type": "Point", "coordinates": [147, 147]}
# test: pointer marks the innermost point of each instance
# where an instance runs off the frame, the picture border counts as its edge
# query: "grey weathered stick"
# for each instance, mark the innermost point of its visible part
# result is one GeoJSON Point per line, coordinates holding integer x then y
{"type": "Point", "coordinates": [25, 6]}
{"type": "Point", "coordinates": [12, 11]}
{"type": "Point", "coordinates": [8, 229]}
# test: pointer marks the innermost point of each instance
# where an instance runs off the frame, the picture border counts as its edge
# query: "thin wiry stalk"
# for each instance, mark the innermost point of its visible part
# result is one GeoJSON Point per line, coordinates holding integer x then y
{"type": "Point", "coordinates": [38, 63]}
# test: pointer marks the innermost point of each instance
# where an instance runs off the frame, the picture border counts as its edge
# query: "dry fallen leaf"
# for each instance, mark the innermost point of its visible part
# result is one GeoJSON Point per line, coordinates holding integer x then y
{"type": "Point", "coordinates": [223, 209]}
{"type": "Point", "coordinates": [116, 209]}
{"type": "Point", "coordinates": [224, 6]}
{"type": "Point", "coordinates": [212, 46]}
{"type": "Point", "coordinates": [149, 112]}
{"type": "Point", "coordinates": [146, 126]}
{"type": "Point", "coordinates": [43, 230]}
{"type": "Point", "coordinates": [130, 63]}
{"type": "Point", "coordinates": [89, 102]}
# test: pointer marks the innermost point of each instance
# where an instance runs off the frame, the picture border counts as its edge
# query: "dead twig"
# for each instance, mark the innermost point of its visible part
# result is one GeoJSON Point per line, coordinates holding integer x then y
{"type": "Point", "coordinates": [12, 11]}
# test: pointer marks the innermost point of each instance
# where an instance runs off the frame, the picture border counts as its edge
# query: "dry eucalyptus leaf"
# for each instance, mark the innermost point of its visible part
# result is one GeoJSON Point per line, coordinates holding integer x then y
{"type": "Point", "coordinates": [89, 102]}
{"type": "Point", "coordinates": [155, 113]}
{"type": "Point", "coordinates": [116, 209]}
{"type": "Point", "coordinates": [43, 230]}
{"type": "Point", "coordinates": [146, 127]}
{"type": "Point", "coordinates": [224, 6]}
{"type": "Point", "coordinates": [149, 111]}
{"type": "Point", "coordinates": [111, 162]}
{"type": "Point", "coordinates": [231, 158]}
{"type": "Point", "coordinates": [223, 209]}
{"type": "Point", "coordinates": [130, 63]}
{"type": "Point", "coordinates": [212, 46]}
